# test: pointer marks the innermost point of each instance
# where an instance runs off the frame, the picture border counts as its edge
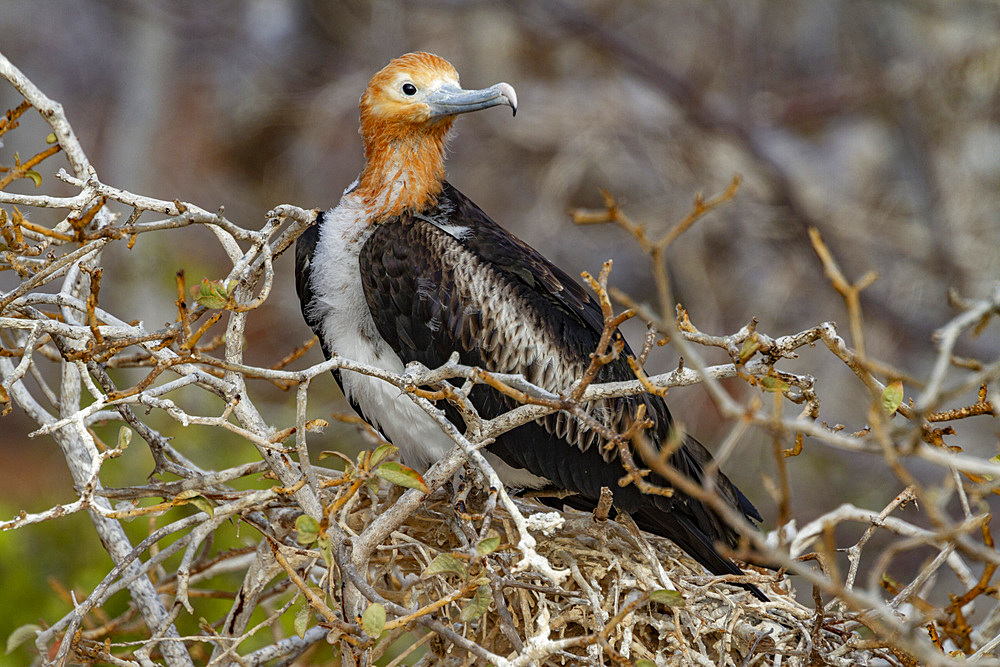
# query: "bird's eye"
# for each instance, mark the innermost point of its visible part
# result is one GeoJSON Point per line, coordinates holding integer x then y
{"type": "Point", "coordinates": [409, 89]}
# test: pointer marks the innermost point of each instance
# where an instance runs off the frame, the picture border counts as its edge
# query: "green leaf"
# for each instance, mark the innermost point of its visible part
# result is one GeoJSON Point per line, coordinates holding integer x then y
{"type": "Point", "coordinates": [669, 598]}
{"type": "Point", "coordinates": [446, 563]}
{"type": "Point", "coordinates": [51, 139]}
{"type": "Point", "coordinates": [35, 177]}
{"type": "Point", "coordinates": [372, 484]}
{"type": "Point", "coordinates": [381, 453]}
{"type": "Point", "coordinates": [214, 293]}
{"type": "Point", "coordinates": [750, 347]}
{"type": "Point", "coordinates": [400, 475]}
{"type": "Point", "coordinates": [191, 496]}
{"type": "Point", "coordinates": [302, 618]}
{"type": "Point", "coordinates": [773, 384]}
{"type": "Point", "coordinates": [325, 550]}
{"type": "Point", "coordinates": [892, 397]}
{"type": "Point", "coordinates": [124, 437]}
{"type": "Point", "coordinates": [328, 454]}
{"type": "Point", "coordinates": [478, 605]}
{"type": "Point", "coordinates": [21, 635]}
{"type": "Point", "coordinates": [308, 528]}
{"type": "Point", "coordinates": [488, 545]}
{"type": "Point", "coordinates": [373, 620]}
{"type": "Point", "coordinates": [202, 503]}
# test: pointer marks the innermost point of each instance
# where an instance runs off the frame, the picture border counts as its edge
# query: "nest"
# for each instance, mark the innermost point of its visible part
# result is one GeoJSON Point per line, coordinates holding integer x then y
{"type": "Point", "coordinates": [625, 596]}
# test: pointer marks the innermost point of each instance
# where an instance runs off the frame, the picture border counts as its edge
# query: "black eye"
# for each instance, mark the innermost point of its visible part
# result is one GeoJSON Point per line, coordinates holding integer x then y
{"type": "Point", "coordinates": [409, 89]}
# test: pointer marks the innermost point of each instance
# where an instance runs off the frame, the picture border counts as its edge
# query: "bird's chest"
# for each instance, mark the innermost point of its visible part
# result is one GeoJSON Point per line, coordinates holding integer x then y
{"type": "Point", "coordinates": [339, 298]}
{"type": "Point", "coordinates": [349, 330]}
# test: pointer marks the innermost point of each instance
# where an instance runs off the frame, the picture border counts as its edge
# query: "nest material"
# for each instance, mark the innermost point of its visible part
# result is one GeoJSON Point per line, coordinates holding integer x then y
{"type": "Point", "coordinates": [610, 566]}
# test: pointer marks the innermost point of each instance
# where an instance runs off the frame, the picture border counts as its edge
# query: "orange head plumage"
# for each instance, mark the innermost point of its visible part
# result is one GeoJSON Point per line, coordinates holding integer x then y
{"type": "Point", "coordinates": [406, 113]}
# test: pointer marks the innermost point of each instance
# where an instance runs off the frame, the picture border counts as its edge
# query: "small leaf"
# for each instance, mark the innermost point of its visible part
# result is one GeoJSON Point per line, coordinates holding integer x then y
{"type": "Point", "coordinates": [201, 502]}
{"type": "Point", "coordinates": [213, 293]}
{"type": "Point", "coordinates": [750, 347]}
{"type": "Point", "coordinates": [669, 598]}
{"type": "Point", "coordinates": [325, 550]}
{"type": "Point", "coordinates": [372, 484]}
{"type": "Point", "coordinates": [21, 635]}
{"type": "Point", "coordinates": [373, 620]}
{"type": "Point", "coordinates": [488, 545]}
{"type": "Point", "coordinates": [191, 496]}
{"type": "Point", "coordinates": [892, 397]}
{"type": "Point", "coordinates": [773, 384]}
{"type": "Point", "coordinates": [51, 139]}
{"type": "Point", "coordinates": [35, 177]}
{"type": "Point", "coordinates": [478, 605]}
{"type": "Point", "coordinates": [348, 463]}
{"type": "Point", "coordinates": [446, 563]}
{"type": "Point", "coordinates": [381, 453]}
{"type": "Point", "coordinates": [308, 529]}
{"type": "Point", "coordinates": [302, 618]}
{"type": "Point", "coordinates": [124, 437]}
{"type": "Point", "coordinates": [397, 473]}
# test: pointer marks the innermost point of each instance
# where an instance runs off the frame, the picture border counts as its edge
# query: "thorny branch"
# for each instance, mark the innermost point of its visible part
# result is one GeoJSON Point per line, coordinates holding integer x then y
{"type": "Point", "coordinates": [346, 558]}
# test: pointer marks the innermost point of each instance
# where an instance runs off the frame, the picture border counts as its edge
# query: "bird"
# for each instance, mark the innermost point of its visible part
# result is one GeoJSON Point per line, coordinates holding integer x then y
{"type": "Point", "coordinates": [405, 268]}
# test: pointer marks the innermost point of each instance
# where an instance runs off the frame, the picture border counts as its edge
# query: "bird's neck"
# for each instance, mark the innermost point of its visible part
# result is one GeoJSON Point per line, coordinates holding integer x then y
{"type": "Point", "coordinates": [404, 169]}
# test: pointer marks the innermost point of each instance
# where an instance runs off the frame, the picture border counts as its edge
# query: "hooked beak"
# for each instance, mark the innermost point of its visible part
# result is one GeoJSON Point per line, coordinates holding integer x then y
{"type": "Point", "coordinates": [451, 100]}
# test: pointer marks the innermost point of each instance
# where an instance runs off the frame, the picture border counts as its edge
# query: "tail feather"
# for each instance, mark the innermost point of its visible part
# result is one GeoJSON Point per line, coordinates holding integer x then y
{"type": "Point", "coordinates": [673, 525]}
{"type": "Point", "coordinates": [678, 529]}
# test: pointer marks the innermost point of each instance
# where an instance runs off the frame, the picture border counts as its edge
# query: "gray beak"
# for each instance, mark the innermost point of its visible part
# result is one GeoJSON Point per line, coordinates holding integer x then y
{"type": "Point", "coordinates": [452, 100]}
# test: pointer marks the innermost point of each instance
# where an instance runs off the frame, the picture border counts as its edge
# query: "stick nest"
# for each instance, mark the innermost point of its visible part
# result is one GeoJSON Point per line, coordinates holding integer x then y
{"type": "Point", "coordinates": [613, 606]}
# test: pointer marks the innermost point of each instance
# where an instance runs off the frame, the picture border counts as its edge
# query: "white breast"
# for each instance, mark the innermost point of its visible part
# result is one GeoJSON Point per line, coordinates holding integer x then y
{"type": "Point", "coordinates": [348, 329]}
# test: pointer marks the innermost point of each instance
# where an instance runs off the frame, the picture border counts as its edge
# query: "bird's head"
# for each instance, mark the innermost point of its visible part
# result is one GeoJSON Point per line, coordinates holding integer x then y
{"type": "Point", "coordinates": [406, 113]}
{"type": "Point", "coordinates": [420, 91]}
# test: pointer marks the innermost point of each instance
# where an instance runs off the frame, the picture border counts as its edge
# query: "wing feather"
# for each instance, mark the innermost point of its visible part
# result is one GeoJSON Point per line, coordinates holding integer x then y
{"type": "Point", "coordinates": [502, 306]}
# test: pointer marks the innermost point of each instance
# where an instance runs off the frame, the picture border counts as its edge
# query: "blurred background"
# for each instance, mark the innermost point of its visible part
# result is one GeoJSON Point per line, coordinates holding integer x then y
{"type": "Point", "coordinates": [876, 122]}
